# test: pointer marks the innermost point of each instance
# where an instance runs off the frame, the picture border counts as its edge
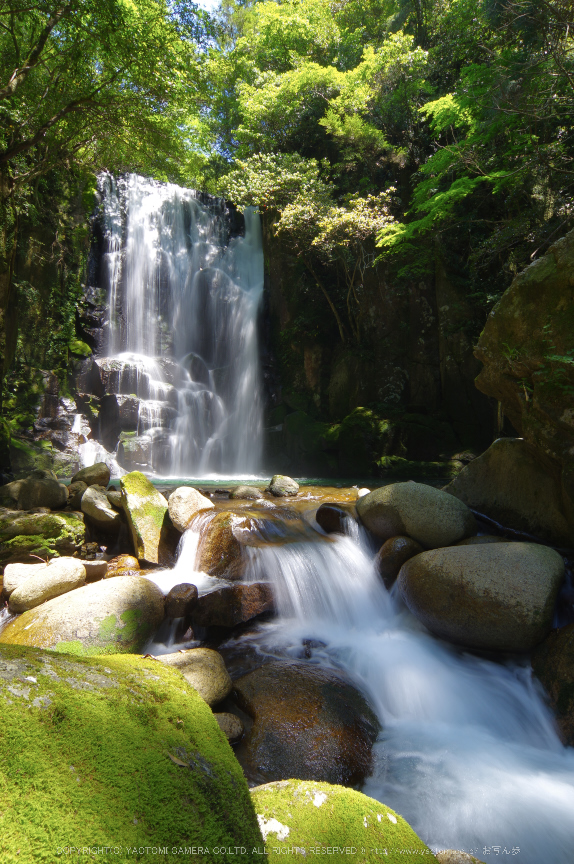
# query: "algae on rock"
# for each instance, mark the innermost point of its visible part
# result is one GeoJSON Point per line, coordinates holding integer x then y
{"type": "Point", "coordinates": [146, 510]}
{"type": "Point", "coordinates": [44, 535]}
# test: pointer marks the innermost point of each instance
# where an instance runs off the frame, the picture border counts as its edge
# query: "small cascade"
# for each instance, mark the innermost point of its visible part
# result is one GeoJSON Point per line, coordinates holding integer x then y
{"type": "Point", "coordinates": [179, 389]}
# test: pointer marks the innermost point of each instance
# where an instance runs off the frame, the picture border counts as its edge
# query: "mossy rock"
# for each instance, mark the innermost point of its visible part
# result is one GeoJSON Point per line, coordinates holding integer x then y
{"type": "Point", "coordinates": [114, 752]}
{"type": "Point", "coordinates": [44, 535]}
{"type": "Point", "coordinates": [146, 510]}
{"type": "Point", "coordinates": [553, 664]}
{"type": "Point", "coordinates": [314, 819]}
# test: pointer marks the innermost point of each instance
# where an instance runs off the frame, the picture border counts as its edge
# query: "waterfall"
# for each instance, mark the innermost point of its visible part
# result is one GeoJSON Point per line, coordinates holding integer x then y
{"type": "Point", "coordinates": [468, 752]}
{"type": "Point", "coordinates": [182, 336]}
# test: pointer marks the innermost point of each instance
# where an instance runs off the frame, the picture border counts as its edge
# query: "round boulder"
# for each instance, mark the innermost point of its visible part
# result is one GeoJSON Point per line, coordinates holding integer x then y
{"type": "Point", "coordinates": [331, 518]}
{"type": "Point", "coordinates": [75, 492]}
{"type": "Point", "coordinates": [230, 725]}
{"type": "Point", "coordinates": [180, 600]}
{"type": "Point", "coordinates": [428, 515]}
{"type": "Point", "coordinates": [120, 565]}
{"type": "Point", "coordinates": [553, 664]}
{"type": "Point", "coordinates": [47, 581]}
{"type": "Point", "coordinates": [96, 506]}
{"type": "Point", "coordinates": [93, 475]}
{"type": "Point", "coordinates": [307, 722]}
{"type": "Point", "coordinates": [249, 493]}
{"type": "Point", "coordinates": [233, 604]}
{"type": "Point", "coordinates": [497, 597]}
{"type": "Point", "coordinates": [392, 555]}
{"type": "Point", "coordinates": [281, 486]}
{"type": "Point", "coordinates": [183, 504]}
{"type": "Point", "coordinates": [219, 552]}
{"type": "Point", "coordinates": [104, 617]}
{"type": "Point", "coordinates": [42, 491]}
{"type": "Point", "coordinates": [204, 669]}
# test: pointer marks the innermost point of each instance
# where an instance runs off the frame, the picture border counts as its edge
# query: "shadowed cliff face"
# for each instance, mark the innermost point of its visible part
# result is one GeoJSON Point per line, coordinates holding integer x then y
{"type": "Point", "coordinates": [527, 348]}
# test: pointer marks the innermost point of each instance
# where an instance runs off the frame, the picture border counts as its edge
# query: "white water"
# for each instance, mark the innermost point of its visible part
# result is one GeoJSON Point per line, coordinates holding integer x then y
{"type": "Point", "coordinates": [468, 753]}
{"type": "Point", "coordinates": [180, 290]}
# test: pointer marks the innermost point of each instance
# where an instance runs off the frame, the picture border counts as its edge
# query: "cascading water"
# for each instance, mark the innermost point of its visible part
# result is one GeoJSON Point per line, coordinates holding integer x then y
{"type": "Point", "coordinates": [182, 339]}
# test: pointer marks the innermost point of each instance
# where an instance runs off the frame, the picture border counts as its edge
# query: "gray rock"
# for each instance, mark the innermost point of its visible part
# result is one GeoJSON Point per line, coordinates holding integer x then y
{"type": "Point", "coordinates": [94, 475]}
{"type": "Point", "coordinates": [426, 514]}
{"type": "Point", "coordinates": [16, 574]}
{"type": "Point", "coordinates": [230, 725]}
{"type": "Point", "coordinates": [115, 499]}
{"type": "Point", "coordinates": [135, 453]}
{"type": "Point", "coordinates": [95, 570]}
{"type": "Point", "coordinates": [184, 503]}
{"type": "Point", "coordinates": [96, 506]}
{"type": "Point", "coordinates": [43, 491]}
{"type": "Point", "coordinates": [47, 581]}
{"type": "Point", "coordinates": [9, 494]}
{"type": "Point", "coordinates": [498, 597]}
{"type": "Point", "coordinates": [281, 486]}
{"type": "Point", "coordinates": [249, 493]}
{"type": "Point", "coordinates": [204, 669]}
{"type": "Point", "coordinates": [75, 492]}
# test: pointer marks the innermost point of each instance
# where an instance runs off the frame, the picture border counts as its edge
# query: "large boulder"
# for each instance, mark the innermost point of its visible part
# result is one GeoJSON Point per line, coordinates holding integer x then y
{"type": "Point", "coordinates": [111, 616]}
{"type": "Point", "coordinates": [42, 489]}
{"type": "Point", "coordinates": [27, 537]}
{"type": "Point", "coordinates": [307, 722]}
{"type": "Point", "coordinates": [93, 475]}
{"type": "Point", "coordinates": [117, 752]}
{"type": "Point", "coordinates": [428, 515]}
{"type": "Point", "coordinates": [220, 552]}
{"type": "Point", "coordinates": [180, 600]}
{"type": "Point", "coordinates": [281, 486]}
{"type": "Point", "coordinates": [247, 493]}
{"type": "Point", "coordinates": [392, 555]}
{"type": "Point", "coordinates": [553, 664]}
{"type": "Point", "coordinates": [45, 582]}
{"type": "Point", "coordinates": [146, 509]}
{"type": "Point", "coordinates": [332, 518]}
{"type": "Point", "coordinates": [98, 509]}
{"type": "Point", "coordinates": [296, 816]}
{"type": "Point", "coordinates": [75, 492]}
{"type": "Point", "coordinates": [511, 485]}
{"type": "Point", "coordinates": [184, 503]}
{"type": "Point", "coordinates": [204, 669]}
{"type": "Point", "coordinates": [497, 597]}
{"type": "Point", "coordinates": [233, 604]}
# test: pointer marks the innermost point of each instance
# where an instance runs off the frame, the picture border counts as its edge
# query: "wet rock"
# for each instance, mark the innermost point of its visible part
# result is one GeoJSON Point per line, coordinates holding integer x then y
{"type": "Point", "coordinates": [96, 506]}
{"type": "Point", "coordinates": [219, 551]}
{"type": "Point", "coordinates": [181, 600]}
{"type": "Point", "coordinates": [119, 565]}
{"type": "Point", "coordinates": [183, 504]}
{"type": "Point", "coordinates": [95, 570]}
{"type": "Point", "coordinates": [233, 604]}
{"type": "Point", "coordinates": [117, 414]}
{"type": "Point", "coordinates": [280, 486]}
{"type": "Point", "coordinates": [295, 814]}
{"type": "Point", "coordinates": [93, 475]}
{"type": "Point", "coordinates": [308, 723]}
{"type": "Point", "coordinates": [46, 581]}
{"type": "Point", "coordinates": [42, 489]}
{"type": "Point", "coordinates": [422, 512]}
{"type": "Point", "coordinates": [553, 664]}
{"type": "Point", "coordinates": [135, 453]}
{"type": "Point", "coordinates": [204, 669]}
{"type": "Point", "coordinates": [43, 535]}
{"type": "Point", "coordinates": [115, 616]}
{"type": "Point", "coordinates": [145, 508]}
{"type": "Point", "coordinates": [392, 555]}
{"type": "Point", "coordinates": [230, 725]}
{"type": "Point", "coordinates": [249, 493]}
{"type": "Point", "coordinates": [75, 492]}
{"type": "Point", "coordinates": [498, 597]}
{"type": "Point", "coordinates": [331, 518]}
{"type": "Point", "coordinates": [511, 484]}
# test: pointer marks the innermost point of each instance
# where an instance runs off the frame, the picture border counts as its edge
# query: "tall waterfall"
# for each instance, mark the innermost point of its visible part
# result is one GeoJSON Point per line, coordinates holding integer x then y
{"type": "Point", "coordinates": [182, 339]}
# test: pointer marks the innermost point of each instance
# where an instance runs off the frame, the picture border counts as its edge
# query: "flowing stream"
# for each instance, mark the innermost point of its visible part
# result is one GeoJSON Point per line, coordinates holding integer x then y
{"type": "Point", "coordinates": [468, 752]}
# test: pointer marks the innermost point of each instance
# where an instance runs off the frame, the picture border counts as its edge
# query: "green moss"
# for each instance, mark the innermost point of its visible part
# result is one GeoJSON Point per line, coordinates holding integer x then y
{"type": "Point", "coordinates": [44, 534]}
{"type": "Point", "coordinates": [91, 755]}
{"type": "Point", "coordinates": [146, 509]}
{"type": "Point", "coordinates": [76, 346]}
{"type": "Point", "coordinates": [320, 816]}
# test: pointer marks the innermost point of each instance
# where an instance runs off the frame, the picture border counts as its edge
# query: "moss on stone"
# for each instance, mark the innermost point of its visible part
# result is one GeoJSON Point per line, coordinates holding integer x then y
{"type": "Point", "coordinates": [113, 752]}
{"type": "Point", "coordinates": [320, 816]}
{"type": "Point", "coordinates": [146, 509]}
{"type": "Point", "coordinates": [44, 534]}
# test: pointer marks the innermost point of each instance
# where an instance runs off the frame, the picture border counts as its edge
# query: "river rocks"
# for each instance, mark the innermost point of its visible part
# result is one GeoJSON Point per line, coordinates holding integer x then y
{"type": "Point", "coordinates": [75, 492]}
{"type": "Point", "coordinates": [204, 669]}
{"type": "Point", "coordinates": [331, 518]}
{"type": "Point", "coordinates": [43, 534]}
{"type": "Point", "coordinates": [42, 489]}
{"type": "Point", "coordinates": [233, 604]}
{"type": "Point", "coordinates": [219, 552]}
{"type": "Point", "coordinates": [95, 569]}
{"type": "Point", "coordinates": [183, 504]}
{"type": "Point", "coordinates": [498, 597]}
{"type": "Point", "coordinates": [115, 499]}
{"type": "Point", "coordinates": [392, 555]}
{"type": "Point", "coordinates": [249, 493]}
{"type": "Point", "coordinates": [230, 725]}
{"type": "Point", "coordinates": [119, 565]}
{"type": "Point", "coordinates": [9, 494]}
{"type": "Point", "coordinates": [307, 723]}
{"type": "Point", "coordinates": [281, 486]}
{"type": "Point", "coordinates": [45, 581]}
{"type": "Point", "coordinates": [96, 506]}
{"type": "Point", "coordinates": [146, 509]}
{"type": "Point", "coordinates": [106, 617]}
{"type": "Point", "coordinates": [509, 484]}
{"type": "Point", "coordinates": [422, 512]}
{"type": "Point", "coordinates": [106, 748]}
{"type": "Point", "coordinates": [93, 475]}
{"type": "Point", "coordinates": [553, 664]}
{"type": "Point", "coordinates": [310, 815]}
{"type": "Point", "coordinates": [181, 600]}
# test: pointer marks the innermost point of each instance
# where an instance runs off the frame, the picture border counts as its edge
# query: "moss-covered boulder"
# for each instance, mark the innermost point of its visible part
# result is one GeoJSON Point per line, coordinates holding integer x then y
{"type": "Point", "coordinates": [44, 535]}
{"type": "Point", "coordinates": [553, 664]}
{"type": "Point", "coordinates": [302, 820]}
{"type": "Point", "coordinates": [114, 753]}
{"type": "Point", "coordinates": [107, 617]}
{"type": "Point", "coordinates": [146, 510]}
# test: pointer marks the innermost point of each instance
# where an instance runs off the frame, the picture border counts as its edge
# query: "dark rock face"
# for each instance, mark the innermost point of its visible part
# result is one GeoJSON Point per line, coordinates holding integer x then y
{"type": "Point", "coordinates": [331, 518]}
{"type": "Point", "coordinates": [392, 555]}
{"type": "Point", "coordinates": [553, 664]}
{"type": "Point", "coordinates": [233, 604]}
{"type": "Point", "coordinates": [181, 600]}
{"type": "Point", "coordinates": [308, 723]}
